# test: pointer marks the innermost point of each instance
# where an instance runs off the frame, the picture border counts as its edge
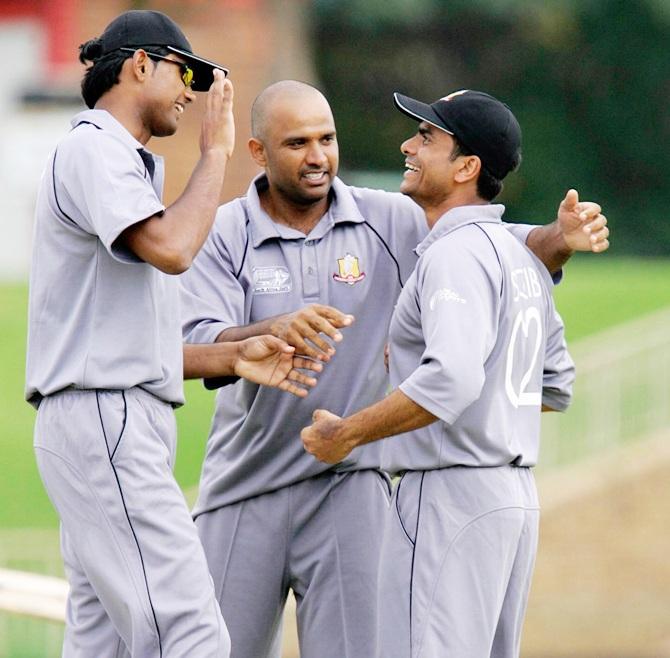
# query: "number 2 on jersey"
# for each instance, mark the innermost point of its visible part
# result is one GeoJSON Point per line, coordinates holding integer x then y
{"type": "Point", "coordinates": [523, 322]}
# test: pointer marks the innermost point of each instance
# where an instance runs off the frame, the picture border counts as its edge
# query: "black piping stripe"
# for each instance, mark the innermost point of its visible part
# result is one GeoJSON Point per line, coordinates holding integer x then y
{"type": "Point", "coordinates": [53, 175]}
{"type": "Point", "coordinates": [53, 183]}
{"type": "Point", "coordinates": [397, 509]}
{"type": "Point", "coordinates": [495, 251]}
{"type": "Point", "coordinates": [411, 575]}
{"type": "Point", "coordinates": [246, 247]}
{"type": "Point", "coordinates": [125, 509]}
{"type": "Point", "coordinates": [388, 249]}
{"type": "Point", "coordinates": [123, 427]}
{"type": "Point", "coordinates": [88, 123]}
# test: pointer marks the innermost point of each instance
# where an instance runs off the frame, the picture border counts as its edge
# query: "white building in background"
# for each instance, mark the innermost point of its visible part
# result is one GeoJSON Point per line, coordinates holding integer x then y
{"type": "Point", "coordinates": [29, 134]}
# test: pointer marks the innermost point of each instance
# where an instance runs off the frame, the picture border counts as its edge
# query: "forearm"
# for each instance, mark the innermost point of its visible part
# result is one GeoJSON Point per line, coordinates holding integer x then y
{"type": "Point", "coordinates": [395, 414]}
{"type": "Point", "coordinates": [171, 241]}
{"type": "Point", "coordinates": [261, 328]}
{"type": "Point", "coordinates": [215, 360]}
{"type": "Point", "coordinates": [191, 216]}
{"type": "Point", "coordinates": [548, 244]}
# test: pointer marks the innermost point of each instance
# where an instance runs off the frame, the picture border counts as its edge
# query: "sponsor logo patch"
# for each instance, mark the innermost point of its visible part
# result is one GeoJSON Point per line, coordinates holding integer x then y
{"type": "Point", "coordinates": [445, 295]}
{"type": "Point", "coordinates": [271, 280]}
{"type": "Point", "coordinates": [349, 270]}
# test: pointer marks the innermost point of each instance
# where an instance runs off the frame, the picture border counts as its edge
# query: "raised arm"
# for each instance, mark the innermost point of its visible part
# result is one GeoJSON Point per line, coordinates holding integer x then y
{"type": "Point", "coordinates": [171, 240]}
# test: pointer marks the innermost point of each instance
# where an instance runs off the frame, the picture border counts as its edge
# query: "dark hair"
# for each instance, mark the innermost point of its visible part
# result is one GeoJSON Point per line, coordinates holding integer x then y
{"type": "Point", "coordinates": [104, 71]}
{"type": "Point", "coordinates": [488, 186]}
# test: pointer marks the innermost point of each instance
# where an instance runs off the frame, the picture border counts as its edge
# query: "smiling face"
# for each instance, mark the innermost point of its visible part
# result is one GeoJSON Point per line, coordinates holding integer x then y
{"type": "Point", "coordinates": [166, 97]}
{"type": "Point", "coordinates": [429, 169]}
{"type": "Point", "coordinates": [297, 146]}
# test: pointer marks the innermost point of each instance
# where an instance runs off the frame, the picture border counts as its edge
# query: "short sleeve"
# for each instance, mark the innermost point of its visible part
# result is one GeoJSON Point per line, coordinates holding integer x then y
{"type": "Point", "coordinates": [559, 369]}
{"type": "Point", "coordinates": [104, 180]}
{"type": "Point", "coordinates": [520, 231]}
{"type": "Point", "coordinates": [459, 299]}
{"type": "Point", "coordinates": [212, 298]}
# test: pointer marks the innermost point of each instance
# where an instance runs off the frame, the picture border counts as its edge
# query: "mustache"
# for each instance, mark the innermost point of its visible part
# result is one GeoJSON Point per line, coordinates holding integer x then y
{"type": "Point", "coordinates": [312, 170]}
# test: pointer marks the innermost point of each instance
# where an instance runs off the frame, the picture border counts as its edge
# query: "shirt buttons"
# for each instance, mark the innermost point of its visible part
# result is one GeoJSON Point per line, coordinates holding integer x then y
{"type": "Point", "coordinates": [310, 270]}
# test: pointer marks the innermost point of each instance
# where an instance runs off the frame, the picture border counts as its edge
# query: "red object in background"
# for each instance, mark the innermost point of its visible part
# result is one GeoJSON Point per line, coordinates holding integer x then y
{"type": "Point", "coordinates": [10, 9]}
{"type": "Point", "coordinates": [58, 18]}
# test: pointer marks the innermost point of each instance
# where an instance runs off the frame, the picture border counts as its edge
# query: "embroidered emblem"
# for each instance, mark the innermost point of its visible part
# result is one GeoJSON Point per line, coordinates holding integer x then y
{"type": "Point", "coordinates": [271, 280]}
{"type": "Point", "coordinates": [350, 272]}
{"type": "Point", "coordinates": [445, 295]}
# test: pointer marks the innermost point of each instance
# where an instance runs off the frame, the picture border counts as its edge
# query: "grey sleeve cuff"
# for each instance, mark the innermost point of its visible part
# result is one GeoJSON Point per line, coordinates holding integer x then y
{"type": "Point", "coordinates": [555, 399]}
{"type": "Point", "coordinates": [205, 332]}
{"type": "Point", "coordinates": [414, 393]}
{"type": "Point", "coordinates": [119, 251]}
{"type": "Point", "coordinates": [520, 231]}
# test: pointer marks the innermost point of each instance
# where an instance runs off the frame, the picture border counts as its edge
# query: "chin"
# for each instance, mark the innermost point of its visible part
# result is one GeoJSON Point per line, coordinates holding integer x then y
{"type": "Point", "coordinates": [164, 129]}
{"type": "Point", "coordinates": [307, 196]}
{"type": "Point", "coordinates": [406, 188]}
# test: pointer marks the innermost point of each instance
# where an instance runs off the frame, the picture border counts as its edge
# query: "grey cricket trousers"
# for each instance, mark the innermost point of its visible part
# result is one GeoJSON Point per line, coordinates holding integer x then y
{"type": "Point", "coordinates": [138, 576]}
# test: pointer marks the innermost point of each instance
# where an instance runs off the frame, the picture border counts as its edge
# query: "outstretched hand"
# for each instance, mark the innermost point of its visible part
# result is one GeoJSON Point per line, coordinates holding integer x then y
{"type": "Point", "coordinates": [582, 225]}
{"type": "Point", "coordinates": [270, 361]}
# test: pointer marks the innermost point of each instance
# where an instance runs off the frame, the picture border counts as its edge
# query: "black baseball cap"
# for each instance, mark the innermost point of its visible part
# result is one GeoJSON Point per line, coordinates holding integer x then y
{"type": "Point", "coordinates": [140, 28]}
{"type": "Point", "coordinates": [481, 123]}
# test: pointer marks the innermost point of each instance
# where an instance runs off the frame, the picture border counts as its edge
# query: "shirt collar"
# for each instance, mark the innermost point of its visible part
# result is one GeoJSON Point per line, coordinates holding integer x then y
{"type": "Point", "coordinates": [343, 208]}
{"type": "Point", "coordinates": [106, 121]}
{"type": "Point", "coordinates": [456, 217]}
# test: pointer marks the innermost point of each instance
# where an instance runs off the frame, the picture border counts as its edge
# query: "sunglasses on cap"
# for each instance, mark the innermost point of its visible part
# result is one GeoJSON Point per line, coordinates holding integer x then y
{"type": "Point", "coordinates": [186, 70]}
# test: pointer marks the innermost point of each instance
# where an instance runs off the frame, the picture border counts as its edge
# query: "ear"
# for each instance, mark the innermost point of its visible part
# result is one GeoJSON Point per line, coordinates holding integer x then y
{"type": "Point", "coordinates": [469, 170]}
{"type": "Point", "coordinates": [140, 65]}
{"type": "Point", "coordinates": [257, 151]}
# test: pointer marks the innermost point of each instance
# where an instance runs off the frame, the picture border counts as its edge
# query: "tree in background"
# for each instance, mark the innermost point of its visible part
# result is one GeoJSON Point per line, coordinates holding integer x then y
{"type": "Point", "coordinates": [589, 81]}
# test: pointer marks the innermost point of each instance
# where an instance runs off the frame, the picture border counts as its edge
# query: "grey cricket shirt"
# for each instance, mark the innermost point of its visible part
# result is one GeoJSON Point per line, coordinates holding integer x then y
{"type": "Point", "coordinates": [99, 317]}
{"type": "Point", "coordinates": [476, 340]}
{"type": "Point", "coordinates": [356, 259]}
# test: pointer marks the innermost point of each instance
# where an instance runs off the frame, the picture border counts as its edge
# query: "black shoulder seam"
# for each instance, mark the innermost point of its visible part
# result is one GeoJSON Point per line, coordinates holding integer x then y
{"type": "Point", "coordinates": [53, 176]}
{"type": "Point", "coordinates": [388, 249]}
{"type": "Point", "coordinates": [495, 251]}
{"type": "Point", "coordinates": [88, 123]}
{"type": "Point", "coordinates": [53, 184]}
{"type": "Point", "coordinates": [246, 249]}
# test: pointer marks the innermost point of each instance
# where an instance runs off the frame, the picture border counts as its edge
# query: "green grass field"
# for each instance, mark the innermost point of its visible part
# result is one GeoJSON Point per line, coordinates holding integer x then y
{"type": "Point", "coordinates": [595, 293]}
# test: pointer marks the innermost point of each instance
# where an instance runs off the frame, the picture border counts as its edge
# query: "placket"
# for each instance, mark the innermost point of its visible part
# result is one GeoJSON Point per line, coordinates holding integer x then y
{"type": "Point", "coordinates": [310, 270]}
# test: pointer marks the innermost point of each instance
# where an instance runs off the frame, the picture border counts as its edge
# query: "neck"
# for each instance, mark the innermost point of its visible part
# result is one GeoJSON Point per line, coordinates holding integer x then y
{"type": "Point", "coordinates": [127, 114]}
{"type": "Point", "coordinates": [301, 217]}
{"type": "Point", "coordinates": [435, 211]}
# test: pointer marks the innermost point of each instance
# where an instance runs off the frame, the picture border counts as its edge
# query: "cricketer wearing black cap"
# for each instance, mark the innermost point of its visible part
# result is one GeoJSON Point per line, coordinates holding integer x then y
{"type": "Point", "coordinates": [481, 123]}
{"type": "Point", "coordinates": [139, 581]}
{"type": "Point", "coordinates": [455, 563]}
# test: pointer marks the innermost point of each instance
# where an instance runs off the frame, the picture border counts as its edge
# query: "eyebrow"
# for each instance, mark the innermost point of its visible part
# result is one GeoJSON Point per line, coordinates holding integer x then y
{"type": "Point", "coordinates": [305, 138]}
{"type": "Point", "coordinates": [425, 129]}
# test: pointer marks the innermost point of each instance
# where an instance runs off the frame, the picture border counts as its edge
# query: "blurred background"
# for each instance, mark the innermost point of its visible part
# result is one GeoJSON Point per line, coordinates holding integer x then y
{"type": "Point", "coordinates": [589, 81]}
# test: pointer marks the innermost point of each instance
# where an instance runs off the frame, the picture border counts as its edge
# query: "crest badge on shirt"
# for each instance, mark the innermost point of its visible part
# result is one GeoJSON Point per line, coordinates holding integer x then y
{"type": "Point", "coordinates": [271, 280]}
{"type": "Point", "coordinates": [349, 270]}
